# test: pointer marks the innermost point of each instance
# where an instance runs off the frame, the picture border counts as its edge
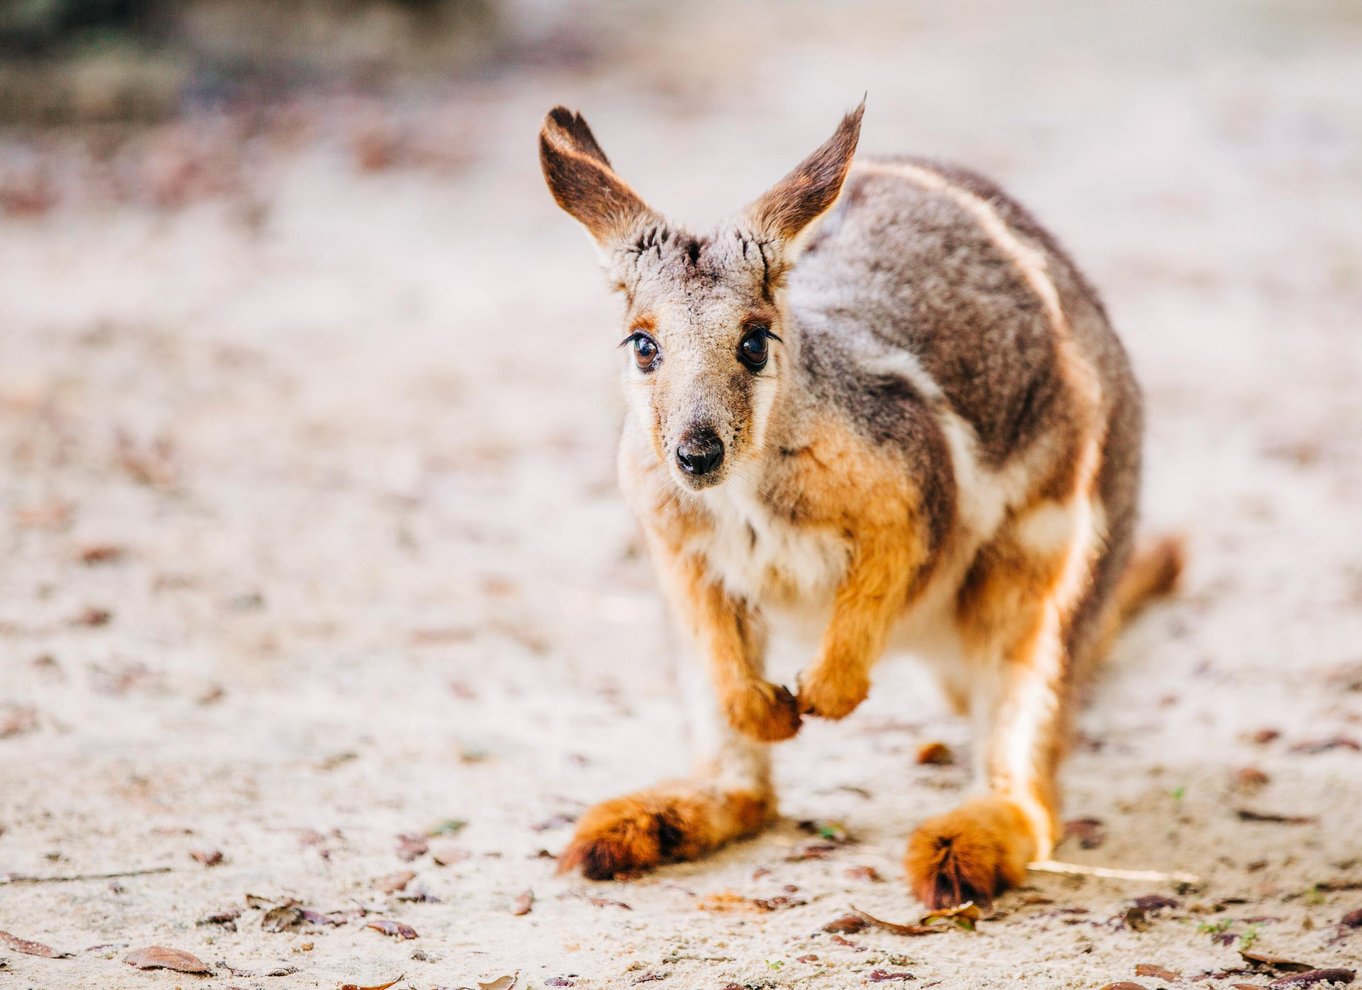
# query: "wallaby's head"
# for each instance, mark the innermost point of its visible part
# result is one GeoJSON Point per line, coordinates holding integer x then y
{"type": "Point", "coordinates": [706, 344]}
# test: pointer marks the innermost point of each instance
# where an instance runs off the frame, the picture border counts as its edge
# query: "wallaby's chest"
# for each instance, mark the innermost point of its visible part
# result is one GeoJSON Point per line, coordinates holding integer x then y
{"type": "Point", "coordinates": [761, 555]}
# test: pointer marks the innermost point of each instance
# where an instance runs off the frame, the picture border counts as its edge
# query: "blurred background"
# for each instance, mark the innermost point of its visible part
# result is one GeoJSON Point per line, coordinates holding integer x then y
{"type": "Point", "coordinates": [310, 549]}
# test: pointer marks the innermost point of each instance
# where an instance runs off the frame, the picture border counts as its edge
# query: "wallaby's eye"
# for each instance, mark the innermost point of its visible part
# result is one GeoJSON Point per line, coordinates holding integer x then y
{"type": "Point", "coordinates": [755, 349]}
{"type": "Point", "coordinates": [645, 350]}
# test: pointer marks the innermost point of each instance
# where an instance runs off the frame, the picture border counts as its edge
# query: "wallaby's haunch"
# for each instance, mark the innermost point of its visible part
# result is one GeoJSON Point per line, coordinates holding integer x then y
{"type": "Point", "coordinates": [881, 396]}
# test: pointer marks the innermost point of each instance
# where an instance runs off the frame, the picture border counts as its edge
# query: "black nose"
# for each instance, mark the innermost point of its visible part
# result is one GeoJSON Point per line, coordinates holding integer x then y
{"type": "Point", "coordinates": [700, 453]}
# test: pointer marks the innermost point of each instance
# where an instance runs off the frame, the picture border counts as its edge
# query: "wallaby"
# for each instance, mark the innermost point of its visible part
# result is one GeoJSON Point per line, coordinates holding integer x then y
{"type": "Point", "coordinates": [884, 397]}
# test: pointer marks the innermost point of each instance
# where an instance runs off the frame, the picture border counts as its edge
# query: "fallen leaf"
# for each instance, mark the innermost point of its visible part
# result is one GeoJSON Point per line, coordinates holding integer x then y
{"type": "Point", "coordinates": [936, 754]}
{"type": "Point", "coordinates": [1249, 780]}
{"type": "Point", "coordinates": [1248, 815]}
{"type": "Point", "coordinates": [1088, 832]}
{"type": "Point", "coordinates": [410, 847]}
{"type": "Point", "coordinates": [778, 903]}
{"type": "Point", "coordinates": [864, 873]}
{"type": "Point", "coordinates": [160, 957]}
{"type": "Point", "coordinates": [282, 917]}
{"type": "Point", "coordinates": [1274, 962]}
{"type": "Point", "coordinates": [847, 924]}
{"type": "Point", "coordinates": [93, 617]}
{"type": "Point", "coordinates": [102, 553]}
{"type": "Point", "coordinates": [15, 720]}
{"type": "Point", "coordinates": [31, 948]}
{"type": "Point", "coordinates": [962, 916]}
{"type": "Point", "coordinates": [447, 855]}
{"type": "Point", "coordinates": [1264, 736]}
{"type": "Point", "coordinates": [1136, 917]}
{"type": "Point", "coordinates": [1149, 969]}
{"type": "Point", "coordinates": [814, 850]}
{"type": "Point", "coordinates": [523, 903]}
{"type": "Point", "coordinates": [221, 918]}
{"type": "Point", "coordinates": [1353, 919]}
{"type": "Point", "coordinates": [894, 927]}
{"type": "Point", "coordinates": [208, 857]}
{"type": "Point", "coordinates": [376, 986]}
{"type": "Point", "coordinates": [394, 882]}
{"type": "Point", "coordinates": [1314, 976]}
{"type": "Point", "coordinates": [881, 976]}
{"type": "Point", "coordinates": [1324, 745]}
{"type": "Point", "coordinates": [394, 928]}
{"type": "Point", "coordinates": [500, 983]}
{"type": "Point", "coordinates": [605, 902]}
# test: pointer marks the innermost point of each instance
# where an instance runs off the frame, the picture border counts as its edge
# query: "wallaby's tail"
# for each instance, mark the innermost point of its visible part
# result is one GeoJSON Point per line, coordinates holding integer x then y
{"type": "Point", "coordinates": [1153, 572]}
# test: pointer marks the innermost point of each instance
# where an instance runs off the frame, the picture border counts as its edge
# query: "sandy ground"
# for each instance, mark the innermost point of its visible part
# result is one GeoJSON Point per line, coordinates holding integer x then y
{"type": "Point", "coordinates": [311, 540]}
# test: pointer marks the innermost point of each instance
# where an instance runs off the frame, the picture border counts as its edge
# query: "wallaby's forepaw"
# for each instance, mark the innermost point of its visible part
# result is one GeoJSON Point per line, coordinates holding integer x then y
{"type": "Point", "coordinates": [640, 831]}
{"type": "Point", "coordinates": [973, 853]}
{"type": "Point", "coordinates": [763, 711]}
{"type": "Point", "coordinates": [831, 692]}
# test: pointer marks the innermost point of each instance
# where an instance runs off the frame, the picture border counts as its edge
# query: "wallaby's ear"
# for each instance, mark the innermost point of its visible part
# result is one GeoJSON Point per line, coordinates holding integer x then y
{"type": "Point", "coordinates": [582, 181]}
{"type": "Point", "coordinates": [807, 192]}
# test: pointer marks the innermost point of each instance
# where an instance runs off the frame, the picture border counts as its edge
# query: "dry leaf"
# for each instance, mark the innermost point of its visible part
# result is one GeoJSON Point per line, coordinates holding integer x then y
{"type": "Point", "coordinates": [1249, 780]}
{"type": "Point", "coordinates": [523, 903]}
{"type": "Point", "coordinates": [376, 986]}
{"type": "Point", "coordinates": [282, 917]}
{"type": "Point", "coordinates": [895, 928]}
{"type": "Point", "coordinates": [605, 902]}
{"type": "Point", "coordinates": [208, 857]}
{"type": "Point", "coordinates": [500, 983]}
{"type": "Point", "coordinates": [1149, 969]}
{"type": "Point", "coordinates": [1314, 976]}
{"type": "Point", "coordinates": [1248, 815]}
{"type": "Point", "coordinates": [936, 754]}
{"type": "Point", "coordinates": [410, 847]}
{"type": "Point", "coordinates": [31, 948]}
{"type": "Point", "coordinates": [847, 924]}
{"type": "Point", "coordinates": [1275, 962]}
{"type": "Point", "coordinates": [394, 882]}
{"type": "Point", "coordinates": [160, 957]}
{"type": "Point", "coordinates": [1353, 919]}
{"type": "Point", "coordinates": [962, 916]}
{"type": "Point", "coordinates": [880, 976]}
{"type": "Point", "coordinates": [394, 928]}
{"type": "Point", "coordinates": [864, 873]}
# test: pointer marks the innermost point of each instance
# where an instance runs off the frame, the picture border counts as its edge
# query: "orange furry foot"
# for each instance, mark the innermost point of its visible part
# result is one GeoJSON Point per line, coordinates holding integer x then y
{"type": "Point", "coordinates": [763, 711]}
{"type": "Point", "coordinates": [829, 691]}
{"type": "Point", "coordinates": [644, 830]}
{"type": "Point", "coordinates": [973, 853]}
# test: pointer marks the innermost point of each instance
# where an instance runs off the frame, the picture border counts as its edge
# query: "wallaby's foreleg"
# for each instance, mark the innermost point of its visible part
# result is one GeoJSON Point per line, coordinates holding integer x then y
{"type": "Point", "coordinates": [730, 638]}
{"type": "Point", "coordinates": [727, 796]}
{"type": "Point", "coordinates": [870, 599]}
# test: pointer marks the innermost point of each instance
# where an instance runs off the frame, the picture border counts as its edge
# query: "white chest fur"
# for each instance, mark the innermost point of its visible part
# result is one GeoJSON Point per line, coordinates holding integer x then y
{"type": "Point", "coordinates": [763, 557]}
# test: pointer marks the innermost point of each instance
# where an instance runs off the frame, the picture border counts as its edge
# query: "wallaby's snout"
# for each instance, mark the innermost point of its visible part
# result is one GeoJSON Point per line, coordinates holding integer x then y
{"type": "Point", "coordinates": [700, 452]}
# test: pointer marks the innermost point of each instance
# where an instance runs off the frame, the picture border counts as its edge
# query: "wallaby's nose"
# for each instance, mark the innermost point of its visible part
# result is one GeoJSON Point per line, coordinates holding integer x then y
{"type": "Point", "coordinates": [700, 453]}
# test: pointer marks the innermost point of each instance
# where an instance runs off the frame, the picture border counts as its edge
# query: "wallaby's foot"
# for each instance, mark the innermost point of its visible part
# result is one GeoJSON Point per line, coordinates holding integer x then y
{"type": "Point", "coordinates": [831, 691]}
{"type": "Point", "coordinates": [662, 825]}
{"type": "Point", "coordinates": [973, 853]}
{"type": "Point", "coordinates": [762, 711]}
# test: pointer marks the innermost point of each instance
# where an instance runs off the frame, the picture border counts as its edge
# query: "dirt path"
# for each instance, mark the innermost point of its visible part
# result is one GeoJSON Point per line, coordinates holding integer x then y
{"type": "Point", "coordinates": [311, 542]}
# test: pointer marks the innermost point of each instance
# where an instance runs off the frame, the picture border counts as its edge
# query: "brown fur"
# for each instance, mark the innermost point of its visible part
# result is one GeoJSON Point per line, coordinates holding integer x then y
{"type": "Point", "coordinates": [662, 825]}
{"type": "Point", "coordinates": [945, 441]}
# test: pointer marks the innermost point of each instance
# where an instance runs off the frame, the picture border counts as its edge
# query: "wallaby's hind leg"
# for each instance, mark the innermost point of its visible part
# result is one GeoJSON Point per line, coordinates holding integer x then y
{"type": "Point", "coordinates": [727, 796]}
{"type": "Point", "coordinates": [1030, 604]}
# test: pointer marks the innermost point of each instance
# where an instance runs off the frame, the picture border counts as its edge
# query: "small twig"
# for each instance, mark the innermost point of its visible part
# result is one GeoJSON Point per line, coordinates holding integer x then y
{"type": "Point", "coordinates": [9, 878]}
{"type": "Point", "coordinates": [1107, 873]}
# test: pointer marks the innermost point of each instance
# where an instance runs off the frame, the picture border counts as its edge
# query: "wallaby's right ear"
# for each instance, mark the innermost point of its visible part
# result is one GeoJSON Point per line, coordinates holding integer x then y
{"type": "Point", "coordinates": [582, 181]}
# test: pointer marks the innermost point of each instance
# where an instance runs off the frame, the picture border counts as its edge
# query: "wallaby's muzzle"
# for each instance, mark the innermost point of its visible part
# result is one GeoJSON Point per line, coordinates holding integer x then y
{"type": "Point", "coordinates": [700, 453]}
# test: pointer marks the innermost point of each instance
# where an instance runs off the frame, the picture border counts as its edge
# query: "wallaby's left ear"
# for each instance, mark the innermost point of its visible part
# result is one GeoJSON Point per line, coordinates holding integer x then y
{"type": "Point", "coordinates": [807, 192]}
{"type": "Point", "coordinates": [582, 181]}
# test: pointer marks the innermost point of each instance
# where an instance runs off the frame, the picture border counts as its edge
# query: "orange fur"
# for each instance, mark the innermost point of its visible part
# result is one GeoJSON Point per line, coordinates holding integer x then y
{"type": "Point", "coordinates": [662, 825]}
{"type": "Point", "coordinates": [973, 853]}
